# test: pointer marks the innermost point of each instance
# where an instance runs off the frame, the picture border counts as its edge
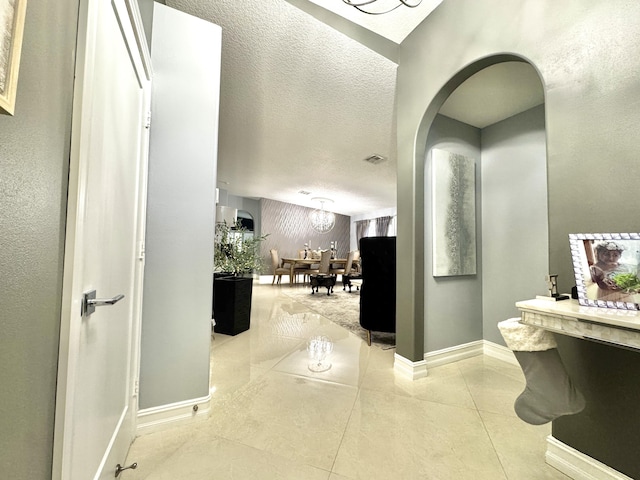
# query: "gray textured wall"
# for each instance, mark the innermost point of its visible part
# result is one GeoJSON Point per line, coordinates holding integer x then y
{"type": "Point", "coordinates": [34, 161]}
{"type": "Point", "coordinates": [247, 204]}
{"type": "Point", "coordinates": [453, 307]}
{"type": "Point", "coordinates": [515, 250]}
{"type": "Point", "coordinates": [587, 55]}
{"type": "Point", "coordinates": [289, 229]}
{"type": "Point", "coordinates": [512, 233]}
{"type": "Point", "coordinates": [176, 315]}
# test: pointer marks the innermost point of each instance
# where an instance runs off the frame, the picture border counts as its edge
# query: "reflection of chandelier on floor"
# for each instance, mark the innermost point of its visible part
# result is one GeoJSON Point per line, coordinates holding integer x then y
{"type": "Point", "coordinates": [319, 348]}
{"type": "Point", "coordinates": [382, 6]}
{"type": "Point", "coordinates": [321, 220]}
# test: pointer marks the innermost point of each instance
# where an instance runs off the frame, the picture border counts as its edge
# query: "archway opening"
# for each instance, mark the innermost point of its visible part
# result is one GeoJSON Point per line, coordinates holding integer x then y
{"type": "Point", "coordinates": [492, 115]}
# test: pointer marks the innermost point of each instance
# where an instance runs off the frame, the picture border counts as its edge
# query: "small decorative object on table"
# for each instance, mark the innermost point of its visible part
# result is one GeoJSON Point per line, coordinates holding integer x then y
{"type": "Point", "coordinates": [319, 348]}
{"type": "Point", "coordinates": [554, 296]}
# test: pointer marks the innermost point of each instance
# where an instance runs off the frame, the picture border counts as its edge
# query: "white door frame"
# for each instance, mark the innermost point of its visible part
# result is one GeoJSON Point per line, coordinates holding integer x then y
{"type": "Point", "coordinates": [131, 23]}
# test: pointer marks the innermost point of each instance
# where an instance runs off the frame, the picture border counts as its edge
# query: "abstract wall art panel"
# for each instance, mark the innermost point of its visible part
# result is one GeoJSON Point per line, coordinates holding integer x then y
{"type": "Point", "coordinates": [12, 15]}
{"type": "Point", "coordinates": [454, 214]}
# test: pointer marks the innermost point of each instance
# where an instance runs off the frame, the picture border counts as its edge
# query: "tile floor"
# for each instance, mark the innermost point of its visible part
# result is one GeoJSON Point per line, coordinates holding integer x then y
{"type": "Point", "coordinates": [272, 418]}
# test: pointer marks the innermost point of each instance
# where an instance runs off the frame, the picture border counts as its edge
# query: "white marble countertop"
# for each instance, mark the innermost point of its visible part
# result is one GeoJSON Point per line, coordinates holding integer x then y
{"type": "Point", "coordinates": [629, 319]}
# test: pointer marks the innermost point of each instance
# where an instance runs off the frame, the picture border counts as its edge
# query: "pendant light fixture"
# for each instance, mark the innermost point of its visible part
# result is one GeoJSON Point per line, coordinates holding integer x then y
{"type": "Point", "coordinates": [322, 221]}
{"type": "Point", "coordinates": [382, 6]}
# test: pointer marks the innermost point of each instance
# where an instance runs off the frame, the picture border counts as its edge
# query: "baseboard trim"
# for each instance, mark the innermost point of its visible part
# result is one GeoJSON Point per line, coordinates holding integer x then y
{"type": "Point", "coordinates": [415, 370]}
{"type": "Point", "coordinates": [453, 354]}
{"type": "Point", "coordinates": [577, 465]}
{"type": "Point", "coordinates": [499, 352]}
{"type": "Point", "coordinates": [159, 418]}
{"type": "Point", "coordinates": [409, 369]}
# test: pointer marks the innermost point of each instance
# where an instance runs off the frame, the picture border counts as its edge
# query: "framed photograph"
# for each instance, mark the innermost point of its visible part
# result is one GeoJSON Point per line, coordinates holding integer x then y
{"type": "Point", "coordinates": [12, 14]}
{"type": "Point", "coordinates": [453, 214]}
{"type": "Point", "coordinates": [607, 269]}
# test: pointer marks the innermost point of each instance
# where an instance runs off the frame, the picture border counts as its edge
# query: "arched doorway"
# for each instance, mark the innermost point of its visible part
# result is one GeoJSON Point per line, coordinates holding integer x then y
{"type": "Point", "coordinates": [511, 219]}
{"type": "Point", "coordinates": [496, 120]}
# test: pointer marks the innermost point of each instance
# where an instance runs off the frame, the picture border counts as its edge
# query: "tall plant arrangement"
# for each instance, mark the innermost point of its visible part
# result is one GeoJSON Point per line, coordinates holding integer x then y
{"type": "Point", "coordinates": [234, 252]}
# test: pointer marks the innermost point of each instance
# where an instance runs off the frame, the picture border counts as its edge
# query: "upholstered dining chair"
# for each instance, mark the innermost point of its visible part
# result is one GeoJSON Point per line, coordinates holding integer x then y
{"type": "Point", "coordinates": [378, 290]}
{"type": "Point", "coordinates": [278, 268]}
{"type": "Point", "coordinates": [350, 273]}
{"type": "Point", "coordinates": [324, 277]}
{"type": "Point", "coordinates": [356, 261]}
{"type": "Point", "coordinates": [342, 269]}
{"type": "Point", "coordinates": [325, 262]}
{"type": "Point", "coordinates": [304, 270]}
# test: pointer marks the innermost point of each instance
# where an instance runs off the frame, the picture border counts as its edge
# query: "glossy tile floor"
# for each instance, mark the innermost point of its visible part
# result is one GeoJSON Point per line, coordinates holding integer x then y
{"type": "Point", "coordinates": [273, 418]}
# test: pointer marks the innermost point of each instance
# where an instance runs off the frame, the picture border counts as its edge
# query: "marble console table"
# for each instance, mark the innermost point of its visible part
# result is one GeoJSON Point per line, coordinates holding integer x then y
{"type": "Point", "coordinates": [615, 328]}
{"type": "Point", "coordinates": [618, 328]}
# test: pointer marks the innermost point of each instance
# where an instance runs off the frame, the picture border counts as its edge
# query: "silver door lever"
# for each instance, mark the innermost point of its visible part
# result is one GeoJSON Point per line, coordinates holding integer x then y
{"type": "Point", "coordinates": [90, 302]}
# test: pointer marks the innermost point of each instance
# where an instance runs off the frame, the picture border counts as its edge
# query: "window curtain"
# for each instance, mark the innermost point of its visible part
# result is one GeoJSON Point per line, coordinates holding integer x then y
{"type": "Point", "coordinates": [361, 229]}
{"type": "Point", "coordinates": [382, 226]}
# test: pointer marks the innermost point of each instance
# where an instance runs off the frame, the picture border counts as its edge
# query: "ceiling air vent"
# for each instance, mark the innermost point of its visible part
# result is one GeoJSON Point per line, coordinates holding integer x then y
{"type": "Point", "coordinates": [375, 159]}
{"type": "Point", "coordinates": [304, 192]}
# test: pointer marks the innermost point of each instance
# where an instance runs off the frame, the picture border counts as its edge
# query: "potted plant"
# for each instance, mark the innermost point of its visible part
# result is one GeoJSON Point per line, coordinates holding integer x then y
{"type": "Point", "coordinates": [236, 256]}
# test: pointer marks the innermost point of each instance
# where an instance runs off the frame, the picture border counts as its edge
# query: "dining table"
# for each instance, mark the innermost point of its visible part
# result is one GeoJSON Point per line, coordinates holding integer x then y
{"type": "Point", "coordinates": [294, 262]}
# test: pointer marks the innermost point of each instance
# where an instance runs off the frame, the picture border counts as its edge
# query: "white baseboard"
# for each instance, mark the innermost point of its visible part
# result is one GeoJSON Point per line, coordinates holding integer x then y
{"type": "Point", "coordinates": [453, 354]}
{"type": "Point", "coordinates": [158, 418]}
{"type": "Point", "coordinates": [500, 352]}
{"type": "Point", "coordinates": [409, 369]}
{"type": "Point", "coordinates": [415, 370]}
{"type": "Point", "coordinates": [577, 465]}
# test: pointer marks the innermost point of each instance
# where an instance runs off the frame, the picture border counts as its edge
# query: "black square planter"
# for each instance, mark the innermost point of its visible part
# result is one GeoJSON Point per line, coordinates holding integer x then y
{"type": "Point", "coordinates": [232, 304]}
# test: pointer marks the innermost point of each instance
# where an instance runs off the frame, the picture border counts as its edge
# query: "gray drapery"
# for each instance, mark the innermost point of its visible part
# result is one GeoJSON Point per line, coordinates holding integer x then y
{"type": "Point", "coordinates": [361, 228]}
{"type": "Point", "coordinates": [382, 226]}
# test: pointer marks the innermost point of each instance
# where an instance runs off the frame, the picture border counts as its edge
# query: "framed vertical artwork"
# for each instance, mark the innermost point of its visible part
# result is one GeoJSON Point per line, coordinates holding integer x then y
{"type": "Point", "coordinates": [454, 214]}
{"type": "Point", "coordinates": [607, 269]}
{"type": "Point", "coordinates": [12, 15]}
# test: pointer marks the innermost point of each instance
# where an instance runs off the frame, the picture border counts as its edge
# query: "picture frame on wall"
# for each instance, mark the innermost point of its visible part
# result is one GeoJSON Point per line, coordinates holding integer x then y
{"type": "Point", "coordinates": [607, 269]}
{"type": "Point", "coordinates": [12, 16]}
{"type": "Point", "coordinates": [453, 213]}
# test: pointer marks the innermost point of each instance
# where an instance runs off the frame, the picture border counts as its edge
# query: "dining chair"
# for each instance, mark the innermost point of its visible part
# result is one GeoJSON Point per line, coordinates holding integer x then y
{"type": "Point", "coordinates": [278, 269]}
{"type": "Point", "coordinates": [304, 270]}
{"type": "Point", "coordinates": [324, 277]}
{"type": "Point", "coordinates": [378, 290]}
{"type": "Point", "coordinates": [341, 270]}
{"type": "Point", "coordinates": [356, 261]}
{"type": "Point", "coordinates": [325, 262]}
{"type": "Point", "coordinates": [350, 273]}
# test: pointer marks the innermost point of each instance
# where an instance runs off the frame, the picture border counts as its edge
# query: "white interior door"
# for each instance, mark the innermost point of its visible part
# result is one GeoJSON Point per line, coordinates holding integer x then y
{"type": "Point", "coordinates": [96, 404]}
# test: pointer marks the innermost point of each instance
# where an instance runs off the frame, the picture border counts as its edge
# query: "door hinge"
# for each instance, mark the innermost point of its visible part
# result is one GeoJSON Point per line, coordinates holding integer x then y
{"type": "Point", "coordinates": [147, 122]}
{"type": "Point", "coordinates": [141, 251]}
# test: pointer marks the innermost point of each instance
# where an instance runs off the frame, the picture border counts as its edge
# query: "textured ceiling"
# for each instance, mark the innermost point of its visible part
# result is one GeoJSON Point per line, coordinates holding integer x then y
{"type": "Point", "coordinates": [302, 105]}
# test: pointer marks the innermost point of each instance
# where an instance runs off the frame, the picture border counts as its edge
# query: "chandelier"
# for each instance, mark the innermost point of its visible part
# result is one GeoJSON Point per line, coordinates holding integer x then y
{"type": "Point", "coordinates": [321, 220]}
{"type": "Point", "coordinates": [387, 5]}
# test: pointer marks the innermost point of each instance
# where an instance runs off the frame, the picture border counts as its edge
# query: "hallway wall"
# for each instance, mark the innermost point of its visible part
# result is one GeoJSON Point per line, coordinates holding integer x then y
{"type": "Point", "coordinates": [515, 251]}
{"type": "Point", "coordinates": [588, 56]}
{"type": "Point", "coordinates": [34, 166]}
{"type": "Point", "coordinates": [176, 314]}
{"type": "Point", "coordinates": [453, 305]}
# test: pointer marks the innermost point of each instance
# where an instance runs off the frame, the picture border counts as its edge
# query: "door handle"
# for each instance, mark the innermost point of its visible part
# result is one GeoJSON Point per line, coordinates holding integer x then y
{"type": "Point", "coordinates": [90, 302]}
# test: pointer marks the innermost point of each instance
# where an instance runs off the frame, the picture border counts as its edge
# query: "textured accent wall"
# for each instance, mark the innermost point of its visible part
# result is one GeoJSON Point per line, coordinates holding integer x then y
{"type": "Point", "coordinates": [289, 229]}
